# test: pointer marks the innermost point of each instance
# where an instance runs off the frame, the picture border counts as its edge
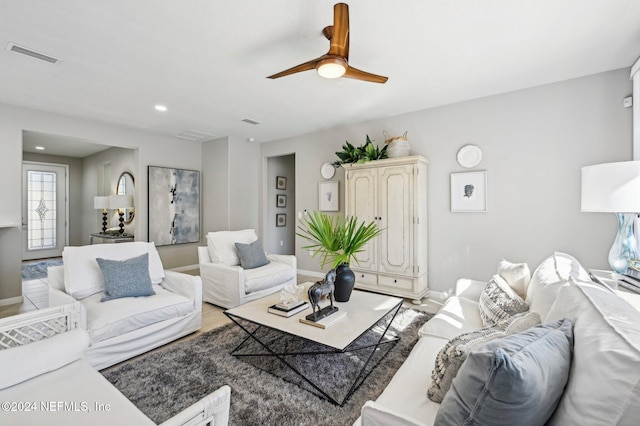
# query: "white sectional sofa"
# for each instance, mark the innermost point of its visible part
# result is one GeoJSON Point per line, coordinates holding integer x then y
{"type": "Point", "coordinates": [44, 378]}
{"type": "Point", "coordinates": [603, 387]}
{"type": "Point", "coordinates": [121, 328]}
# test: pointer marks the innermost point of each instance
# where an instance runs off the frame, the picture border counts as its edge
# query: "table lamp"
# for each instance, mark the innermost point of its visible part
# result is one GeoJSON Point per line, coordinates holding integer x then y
{"type": "Point", "coordinates": [615, 188]}
{"type": "Point", "coordinates": [102, 202]}
{"type": "Point", "coordinates": [120, 202]}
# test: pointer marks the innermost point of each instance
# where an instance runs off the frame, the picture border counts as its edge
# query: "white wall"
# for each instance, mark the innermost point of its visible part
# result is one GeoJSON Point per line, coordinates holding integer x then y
{"type": "Point", "coordinates": [153, 149]}
{"type": "Point", "coordinates": [244, 178]}
{"type": "Point", "coordinates": [280, 239]}
{"type": "Point", "coordinates": [230, 184]}
{"type": "Point", "coordinates": [534, 143]}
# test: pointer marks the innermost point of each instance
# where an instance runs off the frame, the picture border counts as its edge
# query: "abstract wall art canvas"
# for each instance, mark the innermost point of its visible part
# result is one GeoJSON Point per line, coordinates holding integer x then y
{"type": "Point", "coordinates": [174, 206]}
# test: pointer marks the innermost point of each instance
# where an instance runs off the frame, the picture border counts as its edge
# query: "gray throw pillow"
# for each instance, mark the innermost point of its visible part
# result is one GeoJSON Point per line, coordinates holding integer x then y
{"type": "Point", "coordinates": [251, 255]}
{"type": "Point", "coordinates": [126, 278]}
{"type": "Point", "coordinates": [455, 352]}
{"type": "Point", "coordinates": [514, 380]}
{"type": "Point", "coordinates": [499, 301]}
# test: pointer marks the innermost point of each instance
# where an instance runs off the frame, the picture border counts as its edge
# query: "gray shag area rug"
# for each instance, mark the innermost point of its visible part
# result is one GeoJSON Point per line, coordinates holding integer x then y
{"type": "Point", "coordinates": [34, 271]}
{"type": "Point", "coordinates": [167, 380]}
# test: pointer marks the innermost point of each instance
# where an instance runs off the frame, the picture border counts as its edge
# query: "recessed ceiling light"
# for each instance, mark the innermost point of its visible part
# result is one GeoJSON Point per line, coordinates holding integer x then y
{"type": "Point", "coordinates": [160, 108]}
{"type": "Point", "coordinates": [40, 148]}
{"type": "Point", "coordinates": [251, 140]}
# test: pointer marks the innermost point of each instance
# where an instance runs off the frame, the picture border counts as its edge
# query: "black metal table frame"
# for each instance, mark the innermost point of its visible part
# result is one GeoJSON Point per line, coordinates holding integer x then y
{"type": "Point", "coordinates": [351, 347]}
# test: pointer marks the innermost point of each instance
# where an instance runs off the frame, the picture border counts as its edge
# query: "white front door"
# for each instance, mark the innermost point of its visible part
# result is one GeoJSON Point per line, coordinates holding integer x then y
{"type": "Point", "coordinates": [44, 210]}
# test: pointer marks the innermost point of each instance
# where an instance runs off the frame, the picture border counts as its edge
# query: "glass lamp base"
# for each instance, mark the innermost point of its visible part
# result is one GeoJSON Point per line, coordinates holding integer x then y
{"type": "Point", "coordinates": [624, 246]}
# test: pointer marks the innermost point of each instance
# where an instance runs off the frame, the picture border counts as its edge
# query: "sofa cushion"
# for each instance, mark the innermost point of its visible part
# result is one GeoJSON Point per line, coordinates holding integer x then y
{"type": "Point", "coordinates": [405, 392]}
{"type": "Point", "coordinates": [126, 278]}
{"type": "Point", "coordinates": [517, 275]}
{"type": "Point", "coordinates": [456, 316]}
{"type": "Point", "coordinates": [267, 276]}
{"type": "Point", "coordinates": [499, 301]}
{"type": "Point", "coordinates": [251, 255]}
{"type": "Point", "coordinates": [119, 316]}
{"type": "Point", "coordinates": [455, 352]}
{"type": "Point", "coordinates": [25, 362]}
{"type": "Point", "coordinates": [604, 384]}
{"type": "Point", "coordinates": [82, 275]}
{"type": "Point", "coordinates": [552, 274]}
{"type": "Point", "coordinates": [514, 380]}
{"type": "Point", "coordinates": [222, 247]}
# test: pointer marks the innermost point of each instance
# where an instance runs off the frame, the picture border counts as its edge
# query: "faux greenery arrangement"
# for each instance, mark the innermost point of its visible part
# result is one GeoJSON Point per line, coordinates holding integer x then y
{"type": "Point", "coordinates": [361, 154]}
{"type": "Point", "coordinates": [335, 238]}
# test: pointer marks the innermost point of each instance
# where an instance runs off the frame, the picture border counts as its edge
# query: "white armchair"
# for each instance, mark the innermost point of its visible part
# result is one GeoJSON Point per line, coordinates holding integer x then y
{"type": "Point", "coordinates": [225, 283]}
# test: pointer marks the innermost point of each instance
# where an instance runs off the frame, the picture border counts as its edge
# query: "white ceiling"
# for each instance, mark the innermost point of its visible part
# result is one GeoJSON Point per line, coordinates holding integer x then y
{"type": "Point", "coordinates": [207, 61]}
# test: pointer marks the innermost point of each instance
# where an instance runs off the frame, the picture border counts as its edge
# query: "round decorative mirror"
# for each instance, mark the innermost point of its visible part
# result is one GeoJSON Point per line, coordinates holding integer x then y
{"type": "Point", "coordinates": [126, 187]}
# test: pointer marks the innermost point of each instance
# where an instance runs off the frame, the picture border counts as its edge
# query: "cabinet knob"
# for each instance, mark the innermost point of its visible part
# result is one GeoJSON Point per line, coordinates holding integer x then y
{"type": "Point", "coordinates": [395, 281]}
{"type": "Point", "coordinates": [362, 275]}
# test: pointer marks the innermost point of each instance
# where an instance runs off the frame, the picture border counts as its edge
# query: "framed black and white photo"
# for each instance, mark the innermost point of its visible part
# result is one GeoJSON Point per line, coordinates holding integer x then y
{"type": "Point", "coordinates": [281, 219]}
{"type": "Point", "coordinates": [281, 200]}
{"type": "Point", "coordinates": [328, 196]}
{"type": "Point", "coordinates": [281, 182]}
{"type": "Point", "coordinates": [469, 192]}
{"type": "Point", "coordinates": [174, 205]}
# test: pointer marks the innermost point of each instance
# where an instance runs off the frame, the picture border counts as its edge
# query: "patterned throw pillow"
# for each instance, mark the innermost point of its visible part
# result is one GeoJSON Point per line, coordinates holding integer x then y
{"type": "Point", "coordinates": [499, 301]}
{"type": "Point", "coordinates": [454, 353]}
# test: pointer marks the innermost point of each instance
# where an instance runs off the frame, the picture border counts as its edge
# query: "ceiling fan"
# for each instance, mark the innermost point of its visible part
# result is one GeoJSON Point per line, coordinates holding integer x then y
{"type": "Point", "coordinates": [334, 63]}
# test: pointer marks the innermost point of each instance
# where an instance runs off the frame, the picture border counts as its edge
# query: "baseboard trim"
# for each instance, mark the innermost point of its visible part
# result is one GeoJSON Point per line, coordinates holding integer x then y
{"type": "Point", "coordinates": [438, 296]}
{"type": "Point", "coordinates": [185, 268]}
{"type": "Point", "coordinates": [11, 301]}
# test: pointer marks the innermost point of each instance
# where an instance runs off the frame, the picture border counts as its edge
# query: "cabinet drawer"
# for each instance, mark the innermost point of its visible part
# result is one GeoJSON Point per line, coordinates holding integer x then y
{"type": "Point", "coordinates": [366, 277]}
{"type": "Point", "coordinates": [395, 282]}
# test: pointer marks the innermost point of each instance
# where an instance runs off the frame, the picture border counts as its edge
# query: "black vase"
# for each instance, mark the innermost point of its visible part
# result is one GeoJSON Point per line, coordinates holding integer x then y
{"type": "Point", "coordinates": [345, 280]}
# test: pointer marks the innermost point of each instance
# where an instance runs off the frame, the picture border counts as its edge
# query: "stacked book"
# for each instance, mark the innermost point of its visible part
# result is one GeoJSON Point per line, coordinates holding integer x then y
{"type": "Point", "coordinates": [288, 309]}
{"type": "Point", "coordinates": [630, 280]}
{"type": "Point", "coordinates": [325, 322]}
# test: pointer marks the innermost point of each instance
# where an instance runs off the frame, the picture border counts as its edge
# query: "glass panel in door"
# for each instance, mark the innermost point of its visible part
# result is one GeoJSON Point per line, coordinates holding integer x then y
{"type": "Point", "coordinates": [44, 210]}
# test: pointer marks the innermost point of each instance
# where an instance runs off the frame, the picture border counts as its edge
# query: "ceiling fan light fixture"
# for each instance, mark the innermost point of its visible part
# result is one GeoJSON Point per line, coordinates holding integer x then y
{"type": "Point", "coordinates": [332, 67]}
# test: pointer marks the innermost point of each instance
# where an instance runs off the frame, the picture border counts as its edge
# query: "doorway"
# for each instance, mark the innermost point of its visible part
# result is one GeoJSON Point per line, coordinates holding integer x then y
{"type": "Point", "coordinates": [44, 209]}
{"type": "Point", "coordinates": [280, 221]}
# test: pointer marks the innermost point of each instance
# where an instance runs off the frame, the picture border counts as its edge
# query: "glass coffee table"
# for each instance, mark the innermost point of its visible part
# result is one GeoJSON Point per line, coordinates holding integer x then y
{"type": "Point", "coordinates": [331, 363]}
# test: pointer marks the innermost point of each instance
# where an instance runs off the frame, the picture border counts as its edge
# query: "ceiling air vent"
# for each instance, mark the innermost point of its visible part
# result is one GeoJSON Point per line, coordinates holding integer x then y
{"type": "Point", "coordinates": [194, 135]}
{"type": "Point", "coordinates": [250, 121]}
{"type": "Point", "coordinates": [30, 52]}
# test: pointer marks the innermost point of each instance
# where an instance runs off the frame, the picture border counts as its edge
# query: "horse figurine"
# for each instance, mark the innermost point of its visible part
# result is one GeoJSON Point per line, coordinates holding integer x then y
{"type": "Point", "coordinates": [322, 288]}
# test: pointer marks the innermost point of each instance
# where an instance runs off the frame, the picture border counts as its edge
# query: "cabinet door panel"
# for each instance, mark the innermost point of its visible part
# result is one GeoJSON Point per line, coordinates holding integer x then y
{"type": "Point", "coordinates": [395, 208]}
{"type": "Point", "coordinates": [361, 203]}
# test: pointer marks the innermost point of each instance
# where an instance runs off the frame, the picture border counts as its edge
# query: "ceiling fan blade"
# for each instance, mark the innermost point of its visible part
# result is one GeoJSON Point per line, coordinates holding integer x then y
{"type": "Point", "coordinates": [310, 65]}
{"type": "Point", "coordinates": [340, 31]}
{"type": "Point", "coordinates": [365, 76]}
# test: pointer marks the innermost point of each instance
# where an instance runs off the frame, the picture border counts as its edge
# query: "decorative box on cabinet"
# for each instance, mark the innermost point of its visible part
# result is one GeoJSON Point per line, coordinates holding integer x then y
{"type": "Point", "coordinates": [393, 193]}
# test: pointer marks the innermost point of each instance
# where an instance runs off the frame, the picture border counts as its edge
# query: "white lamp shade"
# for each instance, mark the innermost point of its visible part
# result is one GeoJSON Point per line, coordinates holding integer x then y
{"type": "Point", "coordinates": [611, 187]}
{"type": "Point", "coordinates": [101, 202]}
{"type": "Point", "coordinates": [120, 201]}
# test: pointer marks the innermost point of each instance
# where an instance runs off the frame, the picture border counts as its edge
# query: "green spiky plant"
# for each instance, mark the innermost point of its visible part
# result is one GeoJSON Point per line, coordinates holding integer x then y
{"type": "Point", "coordinates": [336, 239]}
{"type": "Point", "coordinates": [361, 154]}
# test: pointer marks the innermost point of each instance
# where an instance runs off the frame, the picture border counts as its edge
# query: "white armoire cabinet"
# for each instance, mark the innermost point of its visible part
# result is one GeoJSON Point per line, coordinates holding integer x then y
{"type": "Point", "coordinates": [392, 193]}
